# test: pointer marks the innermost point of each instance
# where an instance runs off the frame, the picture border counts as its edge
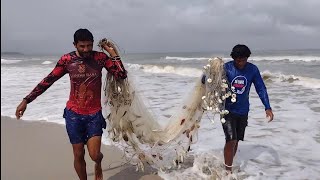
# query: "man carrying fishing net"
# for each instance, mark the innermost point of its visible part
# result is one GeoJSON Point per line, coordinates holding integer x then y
{"type": "Point", "coordinates": [84, 120]}
{"type": "Point", "coordinates": [241, 74]}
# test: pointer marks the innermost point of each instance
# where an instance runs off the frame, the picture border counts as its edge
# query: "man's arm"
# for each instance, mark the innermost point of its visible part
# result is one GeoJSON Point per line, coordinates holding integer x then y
{"type": "Point", "coordinates": [56, 74]}
{"type": "Point", "coordinates": [113, 63]}
{"type": "Point", "coordinates": [263, 94]}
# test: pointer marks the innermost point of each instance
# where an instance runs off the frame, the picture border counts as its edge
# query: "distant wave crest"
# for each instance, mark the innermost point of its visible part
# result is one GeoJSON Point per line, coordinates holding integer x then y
{"type": "Point", "coordinates": [297, 80]}
{"type": "Point", "coordinates": [185, 58]}
{"type": "Point", "coordinates": [9, 61]}
{"type": "Point", "coordinates": [285, 58]}
{"type": "Point", "coordinates": [254, 58]}
{"type": "Point", "coordinates": [183, 71]}
{"type": "Point", "coordinates": [47, 62]}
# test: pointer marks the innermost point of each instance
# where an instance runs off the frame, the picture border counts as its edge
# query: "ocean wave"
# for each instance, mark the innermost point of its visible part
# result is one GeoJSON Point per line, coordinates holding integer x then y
{"type": "Point", "coordinates": [9, 61]}
{"type": "Point", "coordinates": [194, 72]}
{"type": "Point", "coordinates": [297, 80]}
{"type": "Point", "coordinates": [47, 62]}
{"type": "Point", "coordinates": [185, 58]}
{"type": "Point", "coordinates": [285, 58]}
{"type": "Point", "coordinates": [133, 66]}
{"type": "Point", "coordinates": [254, 58]}
{"type": "Point", "coordinates": [183, 71]}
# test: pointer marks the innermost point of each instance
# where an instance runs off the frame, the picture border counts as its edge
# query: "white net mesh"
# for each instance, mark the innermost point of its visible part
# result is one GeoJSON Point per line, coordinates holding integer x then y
{"type": "Point", "coordinates": [136, 130]}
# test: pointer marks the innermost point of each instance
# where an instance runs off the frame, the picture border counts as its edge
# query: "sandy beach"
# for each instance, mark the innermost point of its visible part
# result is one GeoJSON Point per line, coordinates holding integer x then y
{"type": "Point", "coordinates": [41, 150]}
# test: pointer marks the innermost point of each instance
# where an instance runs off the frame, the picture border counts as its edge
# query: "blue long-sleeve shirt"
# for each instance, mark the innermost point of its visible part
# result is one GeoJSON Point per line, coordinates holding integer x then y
{"type": "Point", "coordinates": [241, 80]}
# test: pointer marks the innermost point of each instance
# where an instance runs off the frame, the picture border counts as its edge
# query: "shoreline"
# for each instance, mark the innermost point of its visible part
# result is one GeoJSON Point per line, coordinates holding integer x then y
{"type": "Point", "coordinates": [41, 150]}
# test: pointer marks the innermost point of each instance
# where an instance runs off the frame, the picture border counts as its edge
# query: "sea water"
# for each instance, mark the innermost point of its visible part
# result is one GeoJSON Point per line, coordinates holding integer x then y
{"type": "Point", "coordinates": [286, 148]}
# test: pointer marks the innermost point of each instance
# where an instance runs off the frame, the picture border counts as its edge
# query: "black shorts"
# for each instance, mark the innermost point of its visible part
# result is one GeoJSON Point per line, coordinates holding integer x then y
{"type": "Point", "coordinates": [235, 126]}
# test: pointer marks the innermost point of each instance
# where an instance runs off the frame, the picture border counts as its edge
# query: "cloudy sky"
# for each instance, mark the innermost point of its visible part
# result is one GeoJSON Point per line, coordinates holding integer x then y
{"type": "Point", "coordinates": [43, 26]}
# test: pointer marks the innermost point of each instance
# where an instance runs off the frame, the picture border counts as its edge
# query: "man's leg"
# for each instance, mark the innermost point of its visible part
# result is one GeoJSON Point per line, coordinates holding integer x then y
{"type": "Point", "coordinates": [79, 162]}
{"type": "Point", "coordinates": [230, 149]}
{"type": "Point", "coordinates": [235, 149]}
{"type": "Point", "coordinates": [94, 146]}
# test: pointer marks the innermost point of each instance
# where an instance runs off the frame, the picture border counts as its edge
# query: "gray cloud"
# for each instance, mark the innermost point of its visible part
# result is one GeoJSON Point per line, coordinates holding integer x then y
{"type": "Point", "coordinates": [37, 26]}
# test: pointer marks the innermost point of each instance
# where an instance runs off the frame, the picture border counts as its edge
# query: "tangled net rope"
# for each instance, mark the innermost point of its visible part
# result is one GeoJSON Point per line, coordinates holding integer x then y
{"type": "Point", "coordinates": [136, 130]}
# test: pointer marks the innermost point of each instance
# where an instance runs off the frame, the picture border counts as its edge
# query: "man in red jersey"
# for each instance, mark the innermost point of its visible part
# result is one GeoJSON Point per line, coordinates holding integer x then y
{"type": "Point", "coordinates": [83, 116]}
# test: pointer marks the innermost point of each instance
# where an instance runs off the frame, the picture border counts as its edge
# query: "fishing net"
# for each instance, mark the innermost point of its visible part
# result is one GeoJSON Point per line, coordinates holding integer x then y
{"type": "Point", "coordinates": [135, 129]}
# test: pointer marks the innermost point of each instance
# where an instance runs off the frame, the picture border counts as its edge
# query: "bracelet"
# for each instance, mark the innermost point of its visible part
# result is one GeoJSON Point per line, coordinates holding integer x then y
{"type": "Point", "coordinates": [115, 58]}
{"type": "Point", "coordinates": [228, 165]}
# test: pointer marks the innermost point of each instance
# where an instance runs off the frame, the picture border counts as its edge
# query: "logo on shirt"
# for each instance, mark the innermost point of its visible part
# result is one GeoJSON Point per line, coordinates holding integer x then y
{"type": "Point", "coordinates": [239, 83]}
{"type": "Point", "coordinates": [82, 68]}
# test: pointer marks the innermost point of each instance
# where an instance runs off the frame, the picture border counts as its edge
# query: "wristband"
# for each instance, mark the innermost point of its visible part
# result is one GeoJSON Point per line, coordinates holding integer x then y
{"type": "Point", "coordinates": [115, 58]}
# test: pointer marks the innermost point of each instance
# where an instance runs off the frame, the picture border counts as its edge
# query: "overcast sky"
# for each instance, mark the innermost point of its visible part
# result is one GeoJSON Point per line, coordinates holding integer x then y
{"type": "Point", "coordinates": [43, 26]}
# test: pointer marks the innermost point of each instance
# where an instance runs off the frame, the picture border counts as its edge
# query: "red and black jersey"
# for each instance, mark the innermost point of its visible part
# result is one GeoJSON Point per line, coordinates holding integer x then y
{"type": "Point", "coordinates": [85, 78]}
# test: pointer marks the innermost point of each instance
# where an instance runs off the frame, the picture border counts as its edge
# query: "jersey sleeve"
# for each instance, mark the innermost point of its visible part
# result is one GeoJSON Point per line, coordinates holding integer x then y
{"type": "Point", "coordinates": [115, 67]}
{"type": "Point", "coordinates": [261, 89]}
{"type": "Point", "coordinates": [55, 74]}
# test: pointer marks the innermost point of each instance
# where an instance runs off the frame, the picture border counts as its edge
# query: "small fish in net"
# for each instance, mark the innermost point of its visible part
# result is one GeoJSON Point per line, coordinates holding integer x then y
{"type": "Point", "coordinates": [134, 128]}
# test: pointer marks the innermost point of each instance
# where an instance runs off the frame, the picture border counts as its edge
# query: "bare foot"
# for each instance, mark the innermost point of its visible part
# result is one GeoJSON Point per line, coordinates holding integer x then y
{"type": "Point", "coordinates": [98, 172]}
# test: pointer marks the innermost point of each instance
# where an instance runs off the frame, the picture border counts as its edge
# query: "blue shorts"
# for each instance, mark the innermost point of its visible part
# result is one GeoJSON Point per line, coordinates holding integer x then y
{"type": "Point", "coordinates": [80, 128]}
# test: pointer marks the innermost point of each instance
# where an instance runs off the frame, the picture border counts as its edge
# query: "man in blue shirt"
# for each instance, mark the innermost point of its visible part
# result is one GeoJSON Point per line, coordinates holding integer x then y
{"type": "Point", "coordinates": [241, 74]}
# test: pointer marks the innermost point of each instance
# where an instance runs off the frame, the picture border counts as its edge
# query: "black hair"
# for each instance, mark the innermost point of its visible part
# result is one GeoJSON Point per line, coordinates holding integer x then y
{"type": "Point", "coordinates": [82, 35]}
{"type": "Point", "coordinates": [240, 51]}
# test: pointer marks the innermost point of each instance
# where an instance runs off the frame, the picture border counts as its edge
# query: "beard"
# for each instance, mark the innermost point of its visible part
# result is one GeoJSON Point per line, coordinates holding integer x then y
{"type": "Point", "coordinates": [85, 54]}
